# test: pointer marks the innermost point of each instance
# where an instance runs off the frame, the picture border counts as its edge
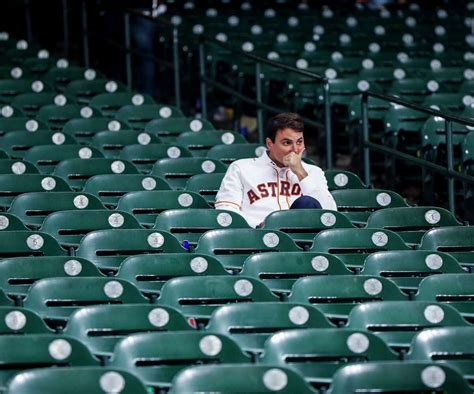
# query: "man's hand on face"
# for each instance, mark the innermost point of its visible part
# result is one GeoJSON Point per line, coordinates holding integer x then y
{"type": "Point", "coordinates": [293, 161]}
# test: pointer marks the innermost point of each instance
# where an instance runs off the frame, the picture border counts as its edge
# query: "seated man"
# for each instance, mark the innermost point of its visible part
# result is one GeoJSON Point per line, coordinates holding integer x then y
{"type": "Point", "coordinates": [277, 180]}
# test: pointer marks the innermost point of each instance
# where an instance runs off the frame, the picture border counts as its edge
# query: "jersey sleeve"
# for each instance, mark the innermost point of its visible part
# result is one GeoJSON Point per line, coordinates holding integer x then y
{"type": "Point", "coordinates": [230, 194]}
{"type": "Point", "coordinates": [316, 186]}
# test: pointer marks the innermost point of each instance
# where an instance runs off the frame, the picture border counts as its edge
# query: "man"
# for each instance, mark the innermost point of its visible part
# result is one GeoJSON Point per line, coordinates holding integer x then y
{"type": "Point", "coordinates": [277, 180]}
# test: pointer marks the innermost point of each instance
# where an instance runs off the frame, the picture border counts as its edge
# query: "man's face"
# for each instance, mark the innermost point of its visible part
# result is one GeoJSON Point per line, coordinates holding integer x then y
{"type": "Point", "coordinates": [286, 141]}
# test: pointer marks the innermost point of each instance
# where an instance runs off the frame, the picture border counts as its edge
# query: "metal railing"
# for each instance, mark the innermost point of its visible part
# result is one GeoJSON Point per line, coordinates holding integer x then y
{"type": "Point", "coordinates": [129, 50]}
{"type": "Point", "coordinates": [257, 101]}
{"type": "Point", "coordinates": [447, 171]}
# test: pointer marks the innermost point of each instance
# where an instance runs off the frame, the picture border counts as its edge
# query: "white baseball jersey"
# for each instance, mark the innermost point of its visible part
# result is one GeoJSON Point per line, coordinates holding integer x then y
{"type": "Point", "coordinates": [254, 188]}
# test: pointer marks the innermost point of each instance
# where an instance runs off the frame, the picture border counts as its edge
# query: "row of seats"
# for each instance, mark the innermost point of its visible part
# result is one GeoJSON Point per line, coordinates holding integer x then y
{"type": "Point", "coordinates": [142, 339]}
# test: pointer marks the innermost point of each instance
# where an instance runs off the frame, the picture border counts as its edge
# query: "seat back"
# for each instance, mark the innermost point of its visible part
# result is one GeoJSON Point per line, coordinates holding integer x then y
{"type": "Point", "coordinates": [318, 353]}
{"type": "Point", "coordinates": [403, 377]}
{"type": "Point", "coordinates": [456, 290]}
{"type": "Point", "coordinates": [337, 295]}
{"type": "Point", "coordinates": [147, 205]}
{"type": "Point", "coordinates": [150, 272]}
{"type": "Point", "coordinates": [207, 185]}
{"type": "Point", "coordinates": [407, 268]}
{"type": "Point", "coordinates": [32, 208]}
{"type": "Point", "coordinates": [54, 299]}
{"type": "Point", "coordinates": [108, 248]}
{"type": "Point", "coordinates": [76, 380]}
{"type": "Point", "coordinates": [144, 156]}
{"type": "Point", "coordinates": [396, 322]}
{"type": "Point", "coordinates": [233, 246]}
{"type": "Point", "coordinates": [111, 187]}
{"type": "Point", "coordinates": [302, 225]}
{"type": "Point", "coordinates": [100, 327]}
{"type": "Point", "coordinates": [188, 225]}
{"type": "Point", "coordinates": [76, 172]}
{"type": "Point", "coordinates": [358, 204]}
{"type": "Point", "coordinates": [353, 245]}
{"type": "Point", "coordinates": [46, 157]}
{"type": "Point", "coordinates": [457, 241]}
{"type": "Point", "coordinates": [177, 171]}
{"type": "Point", "coordinates": [251, 324]}
{"type": "Point", "coordinates": [228, 379]}
{"type": "Point", "coordinates": [69, 227]}
{"type": "Point", "coordinates": [156, 359]}
{"type": "Point", "coordinates": [198, 297]}
{"type": "Point", "coordinates": [280, 270]}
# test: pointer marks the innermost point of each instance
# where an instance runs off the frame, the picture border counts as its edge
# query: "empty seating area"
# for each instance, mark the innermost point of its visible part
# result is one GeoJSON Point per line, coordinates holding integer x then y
{"type": "Point", "coordinates": [117, 275]}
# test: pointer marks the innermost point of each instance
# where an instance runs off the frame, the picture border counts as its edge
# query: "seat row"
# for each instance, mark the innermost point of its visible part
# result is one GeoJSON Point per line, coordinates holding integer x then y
{"type": "Point", "coordinates": [155, 343]}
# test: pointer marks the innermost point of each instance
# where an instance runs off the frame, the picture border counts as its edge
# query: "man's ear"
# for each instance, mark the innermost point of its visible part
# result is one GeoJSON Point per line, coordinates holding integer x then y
{"type": "Point", "coordinates": [268, 142]}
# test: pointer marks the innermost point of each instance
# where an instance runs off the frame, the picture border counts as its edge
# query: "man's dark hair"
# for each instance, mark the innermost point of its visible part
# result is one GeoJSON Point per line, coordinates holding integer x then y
{"type": "Point", "coordinates": [285, 120]}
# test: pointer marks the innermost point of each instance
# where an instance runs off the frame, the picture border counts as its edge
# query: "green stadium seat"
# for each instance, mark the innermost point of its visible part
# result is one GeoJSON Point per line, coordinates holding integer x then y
{"type": "Point", "coordinates": [200, 142]}
{"type": "Point", "coordinates": [18, 167]}
{"type": "Point", "coordinates": [108, 248]}
{"type": "Point", "coordinates": [150, 272]}
{"type": "Point", "coordinates": [17, 143]}
{"type": "Point", "coordinates": [302, 225]}
{"type": "Point", "coordinates": [19, 273]}
{"type": "Point", "coordinates": [188, 225]}
{"type": "Point", "coordinates": [207, 185]}
{"type": "Point", "coordinates": [77, 172]}
{"type": "Point", "coordinates": [457, 241]}
{"type": "Point", "coordinates": [13, 185]}
{"type": "Point", "coordinates": [167, 129]}
{"type": "Point", "coordinates": [83, 90]}
{"type": "Point", "coordinates": [31, 351]}
{"type": "Point", "coordinates": [343, 180]}
{"type": "Point", "coordinates": [100, 327]}
{"type": "Point", "coordinates": [60, 77]}
{"type": "Point", "coordinates": [447, 345]}
{"type": "Point", "coordinates": [318, 353]}
{"type": "Point", "coordinates": [232, 152]}
{"type": "Point", "coordinates": [30, 103]}
{"type": "Point", "coordinates": [21, 321]}
{"type": "Point", "coordinates": [337, 295]}
{"type": "Point", "coordinates": [198, 297]}
{"type": "Point", "coordinates": [21, 124]}
{"type": "Point", "coordinates": [177, 171]}
{"type": "Point", "coordinates": [9, 88]}
{"type": "Point", "coordinates": [353, 245]}
{"type": "Point", "coordinates": [10, 222]}
{"type": "Point", "coordinates": [68, 227]}
{"type": "Point", "coordinates": [404, 377]}
{"type": "Point", "coordinates": [396, 322]}
{"type": "Point", "coordinates": [157, 357]}
{"type": "Point", "coordinates": [144, 156]}
{"type": "Point", "coordinates": [453, 289]}
{"type": "Point", "coordinates": [76, 380]}
{"type": "Point", "coordinates": [411, 222]}
{"type": "Point", "coordinates": [28, 243]}
{"type": "Point", "coordinates": [111, 143]}
{"type": "Point", "coordinates": [358, 204]}
{"type": "Point", "coordinates": [280, 270]}
{"type": "Point", "coordinates": [407, 268]}
{"type": "Point", "coordinates": [233, 246]}
{"type": "Point", "coordinates": [111, 187]}
{"type": "Point", "coordinates": [56, 116]}
{"type": "Point", "coordinates": [251, 324]}
{"type": "Point", "coordinates": [147, 205]}
{"type": "Point", "coordinates": [229, 378]}
{"type": "Point", "coordinates": [32, 208]}
{"type": "Point", "coordinates": [54, 299]}
{"type": "Point", "coordinates": [109, 103]}
{"type": "Point", "coordinates": [138, 116]}
{"type": "Point", "coordinates": [84, 129]}
{"type": "Point", "coordinates": [46, 157]}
